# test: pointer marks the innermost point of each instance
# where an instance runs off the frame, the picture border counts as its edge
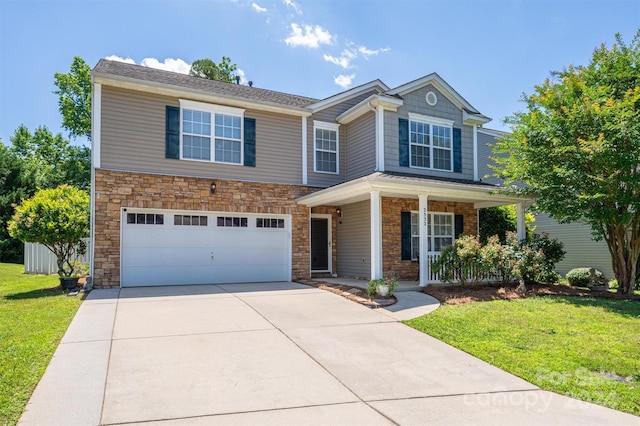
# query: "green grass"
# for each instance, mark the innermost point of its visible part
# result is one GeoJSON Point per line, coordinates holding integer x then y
{"type": "Point", "coordinates": [33, 319]}
{"type": "Point", "coordinates": [585, 348]}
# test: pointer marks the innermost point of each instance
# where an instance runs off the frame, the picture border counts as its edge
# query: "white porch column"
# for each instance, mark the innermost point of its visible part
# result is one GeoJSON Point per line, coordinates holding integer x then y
{"type": "Point", "coordinates": [376, 235]}
{"type": "Point", "coordinates": [424, 240]}
{"type": "Point", "coordinates": [521, 225]}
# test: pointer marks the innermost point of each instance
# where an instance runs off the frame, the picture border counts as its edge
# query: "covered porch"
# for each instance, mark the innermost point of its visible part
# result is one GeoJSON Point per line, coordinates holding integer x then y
{"type": "Point", "coordinates": [395, 225]}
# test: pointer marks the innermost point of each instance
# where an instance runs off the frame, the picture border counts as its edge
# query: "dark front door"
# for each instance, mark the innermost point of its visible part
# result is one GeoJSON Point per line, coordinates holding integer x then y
{"type": "Point", "coordinates": [320, 244]}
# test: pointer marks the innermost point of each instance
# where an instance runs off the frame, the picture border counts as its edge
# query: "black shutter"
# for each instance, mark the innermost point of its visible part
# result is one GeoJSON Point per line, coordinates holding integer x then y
{"type": "Point", "coordinates": [405, 226]}
{"type": "Point", "coordinates": [172, 125]}
{"type": "Point", "coordinates": [250, 142]}
{"type": "Point", "coordinates": [403, 126]}
{"type": "Point", "coordinates": [459, 225]}
{"type": "Point", "coordinates": [457, 150]}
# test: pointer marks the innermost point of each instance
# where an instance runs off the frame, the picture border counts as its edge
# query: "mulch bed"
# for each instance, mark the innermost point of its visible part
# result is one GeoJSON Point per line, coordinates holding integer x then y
{"type": "Point", "coordinates": [457, 295]}
{"type": "Point", "coordinates": [355, 294]}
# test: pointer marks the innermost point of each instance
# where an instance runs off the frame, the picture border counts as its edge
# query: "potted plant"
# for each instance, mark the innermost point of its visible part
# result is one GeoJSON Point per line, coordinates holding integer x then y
{"type": "Point", "coordinates": [382, 287]}
{"type": "Point", "coordinates": [72, 274]}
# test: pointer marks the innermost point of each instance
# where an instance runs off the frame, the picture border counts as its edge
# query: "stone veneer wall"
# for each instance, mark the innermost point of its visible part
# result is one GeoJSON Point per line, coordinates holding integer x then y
{"type": "Point", "coordinates": [392, 263]}
{"type": "Point", "coordinates": [116, 189]}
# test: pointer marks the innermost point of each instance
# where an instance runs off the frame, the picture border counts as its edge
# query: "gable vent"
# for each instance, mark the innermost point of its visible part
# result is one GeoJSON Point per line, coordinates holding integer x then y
{"type": "Point", "coordinates": [432, 99]}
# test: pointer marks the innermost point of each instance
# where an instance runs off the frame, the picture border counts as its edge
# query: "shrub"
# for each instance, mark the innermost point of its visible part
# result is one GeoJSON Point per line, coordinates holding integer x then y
{"type": "Point", "coordinates": [460, 261]}
{"type": "Point", "coordinates": [498, 260]}
{"type": "Point", "coordinates": [579, 277]}
{"type": "Point", "coordinates": [553, 251]}
{"type": "Point", "coordinates": [469, 261]}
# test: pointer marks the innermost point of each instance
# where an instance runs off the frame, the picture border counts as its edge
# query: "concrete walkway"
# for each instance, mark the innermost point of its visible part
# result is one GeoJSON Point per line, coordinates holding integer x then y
{"type": "Point", "coordinates": [276, 353]}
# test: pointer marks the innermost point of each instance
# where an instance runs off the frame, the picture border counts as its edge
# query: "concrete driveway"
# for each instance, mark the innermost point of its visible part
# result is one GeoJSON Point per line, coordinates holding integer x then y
{"type": "Point", "coordinates": [276, 353]}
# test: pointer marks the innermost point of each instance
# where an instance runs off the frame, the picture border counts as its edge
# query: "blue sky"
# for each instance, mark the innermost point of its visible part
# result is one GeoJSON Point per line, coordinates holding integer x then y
{"type": "Point", "coordinates": [489, 51]}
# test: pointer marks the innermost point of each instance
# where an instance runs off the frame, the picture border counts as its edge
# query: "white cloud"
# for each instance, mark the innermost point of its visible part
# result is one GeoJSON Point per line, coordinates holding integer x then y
{"type": "Point", "coordinates": [169, 64]}
{"type": "Point", "coordinates": [311, 37]}
{"type": "Point", "coordinates": [344, 81]}
{"type": "Point", "coordinates": [258, 8]}
{"type": "Point", "coordinates": [368, 52]}
{"type": "Point", "coordinates": [126, 60]}
{"type": "Point", "coordinates": [293, 5]}
{"type": "Point", "coordinates": [344, 60]}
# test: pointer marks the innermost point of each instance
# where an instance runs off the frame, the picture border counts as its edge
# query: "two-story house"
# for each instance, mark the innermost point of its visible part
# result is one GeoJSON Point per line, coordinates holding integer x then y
{"type": "Point", "coordinates": [200, 181]}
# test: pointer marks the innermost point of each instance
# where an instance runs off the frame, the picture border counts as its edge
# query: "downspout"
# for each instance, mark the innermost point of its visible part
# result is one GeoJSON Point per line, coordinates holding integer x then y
{"type": "Point", "coordinates": [304, 151]}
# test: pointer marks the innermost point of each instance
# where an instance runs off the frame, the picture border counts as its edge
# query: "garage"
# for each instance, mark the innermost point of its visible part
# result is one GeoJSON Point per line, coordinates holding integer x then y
{"type": "Point", "coordinates": [166, 247]}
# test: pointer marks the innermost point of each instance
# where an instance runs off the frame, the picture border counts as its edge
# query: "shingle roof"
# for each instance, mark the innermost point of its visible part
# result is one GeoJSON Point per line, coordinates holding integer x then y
{"type": "Point", "coordinates": [145, 74]}
{"type": "Point", "coordinates": [432, 179]}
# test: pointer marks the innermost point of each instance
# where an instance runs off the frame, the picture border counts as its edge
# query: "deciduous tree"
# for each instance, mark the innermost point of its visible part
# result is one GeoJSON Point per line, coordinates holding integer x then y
{"type": "Point", "coordinates": [51, 159]}
{"type": "Point", "coordinates": [577, 148]}
{"type": "Point", "coordinates": [74, 98]}
{"type": "Point", "coordinates": [16, 184]}
{"type": "Point", "coordinates": [57, 218]}
{"type": "Point", "coordinates": [206, 68]}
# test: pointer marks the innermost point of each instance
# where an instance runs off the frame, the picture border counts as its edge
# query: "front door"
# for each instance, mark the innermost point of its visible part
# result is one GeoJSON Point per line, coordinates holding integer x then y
{"type": "Point", "coordinates": [321, 243]}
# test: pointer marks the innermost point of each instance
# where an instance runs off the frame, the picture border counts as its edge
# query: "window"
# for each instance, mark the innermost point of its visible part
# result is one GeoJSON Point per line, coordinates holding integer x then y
{"type": "Point", "coordinates": [440, 228]}
{"type": "Point", "coordinates": [189, 220]}
{"type": "Point", "coordinates": [431, 143]}
{"type": "Point", "coordinates": [196, 135]}
{"type": "Point", "coordinates": [326, 147]}
{"type": "Point", "coordinates": [145, 219]}
{"type": "Point", "coordinates": [269, 223]}
{"type": "Point", "coordinates": [211, 132]}
{"type": "Point", "coordinates": [232, 222]}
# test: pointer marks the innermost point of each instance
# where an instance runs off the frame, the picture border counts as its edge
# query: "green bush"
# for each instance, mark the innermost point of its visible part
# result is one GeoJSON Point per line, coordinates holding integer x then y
{"type": "Point", "coordinates": [461, 261]}
{"type": "Point", "coordinates": [579, 277]}
{"type": "Point", "coordinates": [468, 261]}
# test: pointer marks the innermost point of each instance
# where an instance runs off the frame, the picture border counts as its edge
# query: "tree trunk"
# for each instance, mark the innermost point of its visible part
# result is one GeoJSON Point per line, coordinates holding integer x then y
{"type": "Point", "coordinates": [624, 247]}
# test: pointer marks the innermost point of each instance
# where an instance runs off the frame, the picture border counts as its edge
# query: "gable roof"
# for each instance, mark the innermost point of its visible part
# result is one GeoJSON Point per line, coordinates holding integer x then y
{"type": "Point", "coordinates": [444, 87]}
{"type": "Point", "coordinates": [137, 77]}
{"type": "Point", "coordinates": [376, 85]}
{"type": "Point", "coordinates": [114, 71]}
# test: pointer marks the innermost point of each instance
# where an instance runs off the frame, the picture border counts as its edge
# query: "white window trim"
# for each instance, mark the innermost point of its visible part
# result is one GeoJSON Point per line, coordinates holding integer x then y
{"type": "Point", "coordinates": [213, 109]}
{"type": "Point", "coordinates": [431, 121]}
{"type": "Point", "coordinates": [326, 126]}
{"type": "Point", "coordinates": [430, 230]}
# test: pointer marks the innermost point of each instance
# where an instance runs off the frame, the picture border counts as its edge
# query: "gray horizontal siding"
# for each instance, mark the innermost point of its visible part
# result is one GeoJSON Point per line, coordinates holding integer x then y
{"type": "Point", "coordinates": [361, 146]}
{"type": "Point", "coordinates": [133, 138]}
{"type": "Point", "coordinates": [581, 250]}
{"type": "Point", "coordinates": [329, 115]}
{"type": "Point", "coordinates": [485, 150]}
{"type": "Point", "coordinates": [353, 240]}
{"type": "Point", "coordinates": [415, 102]}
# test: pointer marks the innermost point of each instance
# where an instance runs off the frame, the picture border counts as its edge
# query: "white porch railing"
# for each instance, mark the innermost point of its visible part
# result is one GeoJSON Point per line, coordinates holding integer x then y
{"type": "Point", "coordinates": [434, 277]}
{"type": "Point", "coordinates": [39, 260]}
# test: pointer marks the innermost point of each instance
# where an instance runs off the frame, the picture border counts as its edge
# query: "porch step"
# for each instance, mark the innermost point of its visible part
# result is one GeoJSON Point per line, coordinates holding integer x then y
{"type": "Point", "coordinates": [320, 275]}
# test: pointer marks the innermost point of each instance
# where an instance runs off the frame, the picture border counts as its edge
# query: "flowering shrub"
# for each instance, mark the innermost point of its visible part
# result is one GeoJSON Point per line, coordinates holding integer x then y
{"type": "Point", "coordinates": [469, 261]}
{"type": "Point", "coordinates": [498, 260]}
{"type": "Point", "coordinates": [461, 261]}
{"type": "Point", "coordinates": [373, 285]}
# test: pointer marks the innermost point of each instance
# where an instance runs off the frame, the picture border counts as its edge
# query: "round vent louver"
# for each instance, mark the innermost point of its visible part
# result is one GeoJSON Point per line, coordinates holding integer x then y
{"type": "Point", "coordinates": [432, 99]}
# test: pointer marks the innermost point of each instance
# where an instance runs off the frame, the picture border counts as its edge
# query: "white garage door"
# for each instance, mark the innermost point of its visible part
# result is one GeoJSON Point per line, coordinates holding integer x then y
{"type": "Point", "coordinates": [170, 248]}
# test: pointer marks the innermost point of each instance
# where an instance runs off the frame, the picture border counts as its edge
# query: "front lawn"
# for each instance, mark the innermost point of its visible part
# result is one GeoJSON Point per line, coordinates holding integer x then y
{"type": "Point", "coordinates": [583, 347]}
{"type": "Point", "coordinates": [33, 319]}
